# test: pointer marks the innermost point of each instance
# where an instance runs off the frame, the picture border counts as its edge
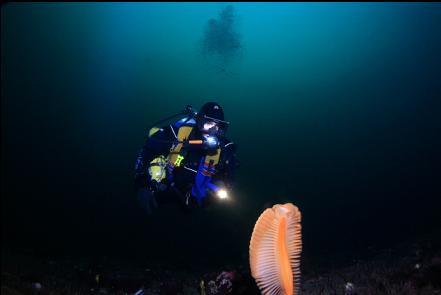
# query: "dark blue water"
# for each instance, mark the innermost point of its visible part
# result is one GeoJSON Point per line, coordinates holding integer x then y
{"type": "Point", "coordinates": [334, 107]}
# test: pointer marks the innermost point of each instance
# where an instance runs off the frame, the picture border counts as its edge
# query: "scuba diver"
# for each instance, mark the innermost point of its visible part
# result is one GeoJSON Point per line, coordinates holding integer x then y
{"type": "Point", "coordinates": [190, 160]}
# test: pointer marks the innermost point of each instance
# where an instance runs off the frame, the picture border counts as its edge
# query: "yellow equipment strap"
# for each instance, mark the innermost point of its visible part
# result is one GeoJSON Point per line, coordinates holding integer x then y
{"type": "Point", "coordinates": [214, 157]}
{"type": "Point", "coordinates": [183, 134]}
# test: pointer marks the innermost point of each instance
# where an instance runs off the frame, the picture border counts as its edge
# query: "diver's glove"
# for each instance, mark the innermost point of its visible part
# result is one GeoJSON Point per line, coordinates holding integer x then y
{"type": "Point", "coordinates": [147, 200]}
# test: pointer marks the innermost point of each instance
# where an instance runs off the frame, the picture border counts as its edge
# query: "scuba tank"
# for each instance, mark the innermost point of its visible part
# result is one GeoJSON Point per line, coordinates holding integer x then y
{"type": "Point", "coordinates": [157, 168]}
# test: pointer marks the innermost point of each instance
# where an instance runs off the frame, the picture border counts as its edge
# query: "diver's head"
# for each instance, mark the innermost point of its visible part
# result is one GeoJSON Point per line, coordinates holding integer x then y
{"type": "Point", "coordinates": [210, 119]}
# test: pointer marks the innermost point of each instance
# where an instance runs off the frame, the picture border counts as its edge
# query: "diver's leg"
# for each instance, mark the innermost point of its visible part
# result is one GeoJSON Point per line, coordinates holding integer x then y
{"type": "Point", "coordinates": [147, 200]}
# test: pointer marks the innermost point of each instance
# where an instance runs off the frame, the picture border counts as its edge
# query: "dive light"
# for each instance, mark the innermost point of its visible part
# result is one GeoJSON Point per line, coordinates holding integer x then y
{"type": "Point", "coordinates": [220, 192]}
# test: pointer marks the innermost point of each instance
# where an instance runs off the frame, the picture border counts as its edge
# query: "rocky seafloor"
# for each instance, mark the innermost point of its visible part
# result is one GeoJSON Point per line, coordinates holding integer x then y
{"type": "Point", "coordinates": [408, 269]}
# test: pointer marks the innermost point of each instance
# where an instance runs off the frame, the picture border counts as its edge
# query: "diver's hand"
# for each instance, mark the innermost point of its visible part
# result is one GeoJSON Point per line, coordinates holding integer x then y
{"type": "Point", "coordinates": [147, 200]}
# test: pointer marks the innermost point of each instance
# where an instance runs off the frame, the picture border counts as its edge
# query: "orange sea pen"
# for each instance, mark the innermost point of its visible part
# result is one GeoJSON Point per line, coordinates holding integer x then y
{"type": "Point", "coordinates": [275, 248]}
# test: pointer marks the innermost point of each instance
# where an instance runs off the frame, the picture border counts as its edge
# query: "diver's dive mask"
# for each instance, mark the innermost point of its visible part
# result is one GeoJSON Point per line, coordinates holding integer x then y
{"type": "Point", "coordinates": [211, 133]}
{"type": "Point", "coordinates": [213, 126]}
{"type": "Point", "coordinates": [210, 127]}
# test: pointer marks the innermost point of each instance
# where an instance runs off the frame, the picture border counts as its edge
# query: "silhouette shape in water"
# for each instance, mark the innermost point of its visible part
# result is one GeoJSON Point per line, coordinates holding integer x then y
{"type": "Point", "coordinates": [220, 37]}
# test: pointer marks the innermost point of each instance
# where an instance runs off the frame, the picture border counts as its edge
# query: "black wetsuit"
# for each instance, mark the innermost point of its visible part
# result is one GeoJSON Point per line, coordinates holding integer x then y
{"type": "Point", "coordinates": [183, 177]}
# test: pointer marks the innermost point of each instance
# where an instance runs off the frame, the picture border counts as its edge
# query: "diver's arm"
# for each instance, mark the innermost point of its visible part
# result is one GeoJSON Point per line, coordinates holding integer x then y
{"type": "Point", "coordinates": [229, 164]}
